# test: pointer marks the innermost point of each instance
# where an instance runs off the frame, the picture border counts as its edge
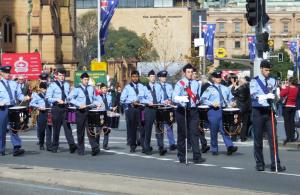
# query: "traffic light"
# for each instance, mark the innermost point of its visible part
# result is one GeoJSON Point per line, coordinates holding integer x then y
{"type": "Point", "coordinates": [253, 15]}
{"type": "Point", "coordinates": [280, 57]}
{"type": "Point", "coordinates": [262, 44]}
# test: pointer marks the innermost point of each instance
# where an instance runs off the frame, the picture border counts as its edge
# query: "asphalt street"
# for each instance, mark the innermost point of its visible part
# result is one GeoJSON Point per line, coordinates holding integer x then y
{"type": "Point", "coordinates": [236, 171]}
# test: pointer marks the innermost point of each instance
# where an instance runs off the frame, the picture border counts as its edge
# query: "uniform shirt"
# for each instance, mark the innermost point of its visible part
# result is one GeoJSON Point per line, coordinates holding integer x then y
{"type": "Point", "coordinates": [16, 92]}
{"type": "Point", "coordinates": [211, 95]}
{"type": "Point", "coordinates": [179, 90]}
{"type": "Point", "coordinates": [169, 91]}
{"type": "Point", "coordinates": [78, 98]}
{"type": "Point", "coordinates": [108, 99]}
{"type": "Point", "coordinates": [256, 90]}
{"type": "Point", "coordinates": [158, 91]}
{"type": "Point", "coordinates": [37, 101]}
{"type": "Point", "coordinates": [129, 96]}
{"type": "Point", "coordinates": [54, 92]}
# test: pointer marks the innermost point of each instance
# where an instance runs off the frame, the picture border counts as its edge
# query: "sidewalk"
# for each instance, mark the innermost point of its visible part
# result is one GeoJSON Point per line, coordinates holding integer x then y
{"type": "Point", "coordinates": [112, 183]}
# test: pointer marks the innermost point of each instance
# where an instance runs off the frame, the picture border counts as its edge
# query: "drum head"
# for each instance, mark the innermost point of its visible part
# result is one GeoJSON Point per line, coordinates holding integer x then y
{"type": "Point", "coordinates": [231, 109]}
{"type": "Point", "coordinates": [203, 106]}
{"type": "Point", "coordinates": [72, 108]}
{"type": "Point", "coordinates": [165, 108]}
{"type": "Point", "coordinates": [17, 108]}
{"type": "Point", "coordinates": [113, 114]}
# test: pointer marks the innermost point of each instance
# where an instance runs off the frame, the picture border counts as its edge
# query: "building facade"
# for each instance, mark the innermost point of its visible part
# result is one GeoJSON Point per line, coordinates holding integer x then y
{"type": "Point", "coordinates": [47, 26]}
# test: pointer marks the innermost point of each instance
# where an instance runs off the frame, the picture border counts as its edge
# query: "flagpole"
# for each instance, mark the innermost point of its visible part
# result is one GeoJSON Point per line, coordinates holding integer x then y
{"type": "Point", "coordinates": [99, 29]}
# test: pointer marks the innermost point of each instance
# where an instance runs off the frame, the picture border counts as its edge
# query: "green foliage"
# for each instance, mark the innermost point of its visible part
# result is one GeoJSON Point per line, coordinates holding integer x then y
{"type": "Point", "coordinates": [144, 80]}
{"type": "Point", "coordinates": [281, 68]}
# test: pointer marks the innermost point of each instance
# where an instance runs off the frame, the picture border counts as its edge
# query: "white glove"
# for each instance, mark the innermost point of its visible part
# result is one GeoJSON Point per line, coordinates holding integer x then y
{"type": "Point", "coordinates": [261, 98]}
{"type": "Point", "coordinates": [270, 96]}
{"type": "Point", "coordinates": [181, 99]}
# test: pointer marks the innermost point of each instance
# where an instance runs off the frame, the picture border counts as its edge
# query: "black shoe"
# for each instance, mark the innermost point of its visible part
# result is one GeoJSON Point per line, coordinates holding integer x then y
{"type": "Point", "coordinates": [106, 148]}
{"type": "Point", "coordinates": [243, 139]}
{"type": "Point", "coordinates": [205, 148]}
{"type": "Point", "coordinates": [148, 152]}
{"type": "Point", "coordinates": [72, 148]}
{"type": "Point", "coordinates": [132, 149]}
{"type": "Point", "coordinates": [42, 148]}
{"type": "Point", "coordinates": [231, 150]}
{"type": "Point", "coordinates": [173, 147]}
{"type": "Point", "coordinates": [181, 160]}
{"type": "Point", "coordinates": [18, 152]}
{"type": "Point", "coordinates": [199, 160]}
{"type": "Point", "coordinates": [2, 153]}
{"type": "Point", "coordinates": [215, 153]}
{"type": "Point", "coordinates": [95, 151]}
{"type": "Point", "coordinates": [49, 149]}
{"type": "Point", "coordinates": [279, 168]}
{"type": "Point", "coordinates": [260, 167]}
{"type": "Point", "coordinates": [162, 151]}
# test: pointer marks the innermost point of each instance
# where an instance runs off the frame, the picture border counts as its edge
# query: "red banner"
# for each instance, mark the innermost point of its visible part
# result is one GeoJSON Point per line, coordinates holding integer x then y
{"type": "Point", "coordinates": [27, 64]}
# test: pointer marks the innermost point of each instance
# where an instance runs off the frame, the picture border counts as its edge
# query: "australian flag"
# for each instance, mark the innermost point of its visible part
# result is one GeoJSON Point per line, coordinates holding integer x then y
{"type": "Point", "coordinates": [107, 10]}
{"type": "Point", "coordinates": [292, 45]}
{"type": "Point", "coordinates": [251, 47]}
{"type": "Point", "coordinates": [208, 33]}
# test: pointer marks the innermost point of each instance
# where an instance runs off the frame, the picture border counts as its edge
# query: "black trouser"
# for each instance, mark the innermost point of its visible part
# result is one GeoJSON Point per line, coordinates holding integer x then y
{"type": "Point", "coordinates": [43, 128]}
{"type": "Point", "coordinates": [262, 121]}
{"type": "Point", "coordinates": [192, 117]}
{"type": "Point", "coordinates": [82, 126]}
{"type": "Point", "coordinates": [289, 122]}
{"type": "Point", "coordinates": [132, 123]}
{"type": "Point", "coordinates": [59, 119]}
{"type": "Point", "coordinates": [245, 118]}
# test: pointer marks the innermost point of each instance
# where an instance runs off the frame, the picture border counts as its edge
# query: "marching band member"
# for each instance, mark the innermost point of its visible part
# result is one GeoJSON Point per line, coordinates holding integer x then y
{"type": "Point", "coordinates": [132, 95]}
{"type": "Point", "coordinates": [107, 100]}
{"type": "Point", "coordinates": [150, 115]}
{"type": "Point", "coordinates": [189, 90]}
{"type": "Point", "coordinates": [9, 93]}
{"type": "Point", "coordinates": [39, 101]}
{"type": "Point", "coordinates": [217, 96]}
{"type": "Point", "coordinates": [83, 97]}
{"type": "Point", "coordinates": [262, 90]}
{"type": "Point", "coordinates": [56, 94]}
{"type": "Point", "coordinates": [166, 94]}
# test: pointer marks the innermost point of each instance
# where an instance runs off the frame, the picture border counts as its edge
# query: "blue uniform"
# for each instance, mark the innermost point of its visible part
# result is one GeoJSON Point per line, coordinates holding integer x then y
{"type": "Point", "coordinates": [166, 94]}
{"type": "Point", "coordinates": [222, 96]}
{"type": "Point", "coordinates": [192, 118]}
{"type": "Point", "coordinates": [16, 94]}
{"type": "Point", "coordinates": [132, 93]}
{"type": "Point", "coordinates": [39, 101]}
{"type": "Point", "coordinates": [261, 116]}
{"type": "Point", "coordinates": [78, 97]}
{"type": "Point", "coordinates": [107, 100]}
{"type": "Point", "coordinates": [58, 90]}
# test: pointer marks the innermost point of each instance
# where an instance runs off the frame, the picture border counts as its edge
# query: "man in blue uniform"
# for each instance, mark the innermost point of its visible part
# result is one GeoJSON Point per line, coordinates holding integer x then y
{"type": "Point", "coordinates": [186, 96]}
{"type": "Point", "coordinates": [39, 102]}
{"type": "Point", "coordinates": [57, 93]}
{"type": "Point", "coordinates": [262, 89]}
{"type": "Point", "coordinates": [84, 97]}
{"type": "Point", "coordinates": [166, 98]}
{"type": "Point", "coordinates": [217, 96]}
{"type": "Point", "coordinates": [132, 96]}
{"type": "Point", "coordinates": [9, 94]}
{"type": "Point", "coordinates": [150, 115]}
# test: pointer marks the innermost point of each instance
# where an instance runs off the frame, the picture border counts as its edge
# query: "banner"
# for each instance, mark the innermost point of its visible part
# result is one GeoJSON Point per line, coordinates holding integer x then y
{"type": "Point", "coordinates": [27, 64]}
{"type": "Point", "coordinates": [208, 33]}
{"type": "Point", "coordinates": [95, 77]}
{"type": "Point", "coordinates": [292, 45]}
{"type": "Point", "coordinates": [107, 10]}
{"type": "Point", "coordinates": [251, 47]}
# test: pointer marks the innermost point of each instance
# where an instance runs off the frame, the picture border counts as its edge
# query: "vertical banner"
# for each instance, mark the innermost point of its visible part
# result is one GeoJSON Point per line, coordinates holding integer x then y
{"type": "Point", "coordinates": [292, 45]}
{"type": "Point", "coordinates": [208, 33]}
{"type": "Point", "coordinates": [27, 64]}
{"type": "Point", "coordinates": [251, 47]}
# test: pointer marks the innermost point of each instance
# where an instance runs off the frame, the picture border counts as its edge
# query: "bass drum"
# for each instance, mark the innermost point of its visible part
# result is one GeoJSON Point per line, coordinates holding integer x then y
{"type": "Point", "coordinates": [97, 118]}
{"type": "Point", "coordinates": [231, 121]}
{"type": "Point", "coordinates": [113, 119]}
{"type": "Point", "coordinates": [18, 117]}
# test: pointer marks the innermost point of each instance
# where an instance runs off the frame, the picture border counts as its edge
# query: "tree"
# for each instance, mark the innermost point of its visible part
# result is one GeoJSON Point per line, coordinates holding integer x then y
{"type": "Point", "coordinates": [127, 44]}
{"type": "Point", "coordinates": [87, 37]}
{"type": "Point", "coordinates": [281, 68]}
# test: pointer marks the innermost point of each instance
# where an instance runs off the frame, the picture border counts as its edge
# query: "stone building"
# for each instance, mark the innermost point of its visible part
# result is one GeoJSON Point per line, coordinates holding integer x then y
{"type": "Point", "coordinates": [44, 25]}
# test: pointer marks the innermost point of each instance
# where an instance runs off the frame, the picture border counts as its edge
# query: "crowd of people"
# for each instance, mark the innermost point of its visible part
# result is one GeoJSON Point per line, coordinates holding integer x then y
{"type": "Point", "coordinates": [141, 103]}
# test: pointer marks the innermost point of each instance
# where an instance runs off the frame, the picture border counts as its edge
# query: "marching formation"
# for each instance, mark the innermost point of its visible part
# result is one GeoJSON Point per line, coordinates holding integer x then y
{"type": "Point", "coordinates": [195, 108]}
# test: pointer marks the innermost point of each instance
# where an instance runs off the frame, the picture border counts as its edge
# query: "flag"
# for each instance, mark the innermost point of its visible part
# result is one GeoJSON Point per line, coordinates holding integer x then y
{"type": "Point", "coordinates": [292, 45]}
{"type": "Point", "coordinates": [251, 47]}
{"type": "Point", "coordinates": [107, 10]}
{"type": "Point", "coordinates": [208, 33]}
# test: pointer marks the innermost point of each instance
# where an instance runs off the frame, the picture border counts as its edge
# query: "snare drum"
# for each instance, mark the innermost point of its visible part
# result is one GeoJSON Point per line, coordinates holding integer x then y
{"type": "Point", "coordinates": [113, 119]}
{"type": "Point", "coordinates": [18, 117]}
{"type": "Point", "coordinates": [71, 115]}
{"type": "Point", "coordinates": [165, 115]}
{"type": "Point", "coordinates": [231, 120]}
{"type": "Point", "coordinates": [203, 110]}
{"type": "Point", "coordinates": [97, 118]}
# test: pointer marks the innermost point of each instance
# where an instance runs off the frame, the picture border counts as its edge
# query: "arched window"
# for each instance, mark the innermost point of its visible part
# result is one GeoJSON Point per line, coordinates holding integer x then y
{"type": "Point", "coordinates": [7, 31]}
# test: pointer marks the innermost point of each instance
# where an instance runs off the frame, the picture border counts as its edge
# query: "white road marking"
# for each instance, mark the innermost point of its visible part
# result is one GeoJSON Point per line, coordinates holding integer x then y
{"type": "Point", "coordinates": [232, 168]}
{"type": "Point", "coordinates": [287, 174]}
{"type": "Point", "coordinates": [206, 165]}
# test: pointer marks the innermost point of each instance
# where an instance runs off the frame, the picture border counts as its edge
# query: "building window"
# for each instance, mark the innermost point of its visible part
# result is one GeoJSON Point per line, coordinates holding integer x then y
{"type": "Point", "coordinates": [7, 31]}
{"type": "Point", "coordinates": [237, 44]}
{"type": "Point", "coordinates": [286, 27]}
{"type": "Point", "coordinates": [221, 27]}
{"type": "Point", "coordinates": [221, 43]}
{"type": "Point", "coordinates": [237, 27]}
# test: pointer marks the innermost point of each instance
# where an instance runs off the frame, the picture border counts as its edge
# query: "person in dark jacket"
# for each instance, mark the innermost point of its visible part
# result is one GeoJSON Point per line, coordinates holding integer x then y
{"type": "Point", "coordinates": [241, 93]}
